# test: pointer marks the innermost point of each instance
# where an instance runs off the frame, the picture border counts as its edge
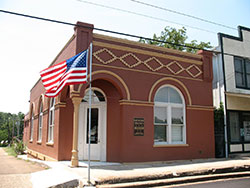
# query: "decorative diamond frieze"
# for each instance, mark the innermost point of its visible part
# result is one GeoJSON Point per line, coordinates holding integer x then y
{"type": "Point", "coordinates": [105, 51]}
{"type": "Point", "coordinates": [129, 64]}
{"type": "Point", "coordinates": [171, 68]}
{"type": "Point", "coordinates": [149, 63]}
{"type": "Point", "coordinates": [131, 61]}
{"type": "Point", "coordinates": [193, 71]}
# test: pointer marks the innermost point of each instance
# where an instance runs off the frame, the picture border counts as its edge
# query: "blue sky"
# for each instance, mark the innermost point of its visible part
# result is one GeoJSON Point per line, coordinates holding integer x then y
{"type": "Point", "coordinates": [28, 46]}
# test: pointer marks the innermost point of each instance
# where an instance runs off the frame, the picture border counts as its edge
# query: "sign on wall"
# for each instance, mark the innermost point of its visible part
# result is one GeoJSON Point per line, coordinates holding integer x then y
{"type": "Point", "coordinates": [138, 126]}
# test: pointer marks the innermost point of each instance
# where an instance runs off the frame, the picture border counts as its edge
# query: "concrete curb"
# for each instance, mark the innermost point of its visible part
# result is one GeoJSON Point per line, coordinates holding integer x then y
{"type": "Point", "coordinates": [177, 181]}
{"type": "Point", "coordinates": [197, 175]}
{"type": "Point", "coordinates": [139, 175]}
{"type": "Point", "coordinates": [70, 184]}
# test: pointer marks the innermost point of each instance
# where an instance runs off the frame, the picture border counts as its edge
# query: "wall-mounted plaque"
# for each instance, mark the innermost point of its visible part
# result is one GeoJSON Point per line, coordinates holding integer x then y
{"type": "Point", "coordinates": [138, 126]}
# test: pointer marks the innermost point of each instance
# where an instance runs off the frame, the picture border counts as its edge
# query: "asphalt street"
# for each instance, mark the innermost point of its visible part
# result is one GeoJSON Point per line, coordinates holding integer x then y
{"type": "Point", "coordinates": [224, 183]}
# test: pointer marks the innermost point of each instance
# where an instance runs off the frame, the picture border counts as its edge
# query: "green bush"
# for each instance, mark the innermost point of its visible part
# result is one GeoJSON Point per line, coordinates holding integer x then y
{"type": "Point", "coordinates": [18, 146]}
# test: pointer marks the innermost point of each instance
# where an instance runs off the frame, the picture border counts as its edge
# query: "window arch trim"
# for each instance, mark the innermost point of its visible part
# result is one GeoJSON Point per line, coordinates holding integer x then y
{"type": "Point", "coordinates": [173, 87]}
{"type": "Point", "coordinates": [154, 86]}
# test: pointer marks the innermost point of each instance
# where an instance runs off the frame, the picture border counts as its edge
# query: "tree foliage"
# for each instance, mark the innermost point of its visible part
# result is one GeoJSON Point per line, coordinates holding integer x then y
{"type": "Point", "coordinates": [11, 125]}
{"type": "Point", "coordinates": [219, 115]}
{"type": "Point", "coordinates": [176, 39]}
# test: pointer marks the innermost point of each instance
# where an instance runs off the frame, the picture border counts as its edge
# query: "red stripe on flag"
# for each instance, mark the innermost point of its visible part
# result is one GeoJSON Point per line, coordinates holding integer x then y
{"type": "Point", "coordinates": [60, 71]}
{"type": "Point", "coordinates": [68, 79]}
{"type": "Point", "coordinates": [56, 92]}
{"type": "Point", "coordinates": [53, 68]}
{"type": "Point", "coordinates": [54, 78]}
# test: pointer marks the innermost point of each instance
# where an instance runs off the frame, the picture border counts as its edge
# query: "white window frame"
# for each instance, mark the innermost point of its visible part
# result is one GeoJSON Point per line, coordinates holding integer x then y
{"type": "Point", "coordinates": [51, 120]}
{"type": "Point", "coordinates": [31, 125]}
{"type": "Point", "coordinates": [40, 122]}
{"type": "Point", "coordinates": [169, 106]}
{"type": "Point", "coordinates": [243, 72]}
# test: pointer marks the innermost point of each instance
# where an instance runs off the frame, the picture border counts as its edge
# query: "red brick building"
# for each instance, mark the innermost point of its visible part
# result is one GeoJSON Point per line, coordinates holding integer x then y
{"type": "Point", "coordinates": [150, 104]}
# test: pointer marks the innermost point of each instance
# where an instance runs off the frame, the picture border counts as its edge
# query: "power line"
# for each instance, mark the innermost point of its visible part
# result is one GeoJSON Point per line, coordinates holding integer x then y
{"type": "Point", "coordinates": [99, 29]}
{"type": "Point", "coordinates": [108, 31]}
{"type": "Point", "coordinates": [183, 14]}
{"type": "Point", "coordinates": [144, 15]}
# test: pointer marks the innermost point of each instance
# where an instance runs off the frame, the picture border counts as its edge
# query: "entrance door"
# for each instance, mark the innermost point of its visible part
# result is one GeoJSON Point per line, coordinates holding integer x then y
{"type": "Point", "coordinates": [95, 138]}
{"type": "Point", "coordinates": [98, 131]}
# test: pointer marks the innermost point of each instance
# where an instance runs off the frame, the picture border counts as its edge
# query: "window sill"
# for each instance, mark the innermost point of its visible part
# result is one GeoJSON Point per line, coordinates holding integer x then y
{"type": "Point", "coordinates": [50, 143]}
{"type": "Point", "coordinates": [39, 142]}
{"type": "Point", "coordinates": [30, 141]}
{"type": "Point", "coordinates": [170, 145]}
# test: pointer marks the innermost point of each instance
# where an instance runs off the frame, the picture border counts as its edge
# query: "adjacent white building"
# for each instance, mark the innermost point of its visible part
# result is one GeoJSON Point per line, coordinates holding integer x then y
{"type": "Point", "coordinates": [231, 86]}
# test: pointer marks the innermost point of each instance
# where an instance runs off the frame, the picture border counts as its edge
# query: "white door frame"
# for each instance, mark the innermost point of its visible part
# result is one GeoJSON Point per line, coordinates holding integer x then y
{"type": "Point", "coordinates": [102, 131]}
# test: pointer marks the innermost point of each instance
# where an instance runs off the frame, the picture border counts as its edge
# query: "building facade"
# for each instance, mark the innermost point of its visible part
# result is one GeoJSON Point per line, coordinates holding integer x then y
{"type": "Point", "coordinates": [149, 104]}
{"type": "Point", "coordinates": [231, 86]}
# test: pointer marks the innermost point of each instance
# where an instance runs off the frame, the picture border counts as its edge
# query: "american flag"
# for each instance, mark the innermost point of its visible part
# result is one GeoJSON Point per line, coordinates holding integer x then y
{"type": "Point", "coordinates": [71, 71]}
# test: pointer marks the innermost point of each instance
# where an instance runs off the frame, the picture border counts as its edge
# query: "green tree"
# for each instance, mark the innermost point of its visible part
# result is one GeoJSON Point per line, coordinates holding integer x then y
{"type": "Point", "coordinates": [11, 125]}
{"type": "Point", "coordinates": [176, 39]}
{"type": "Point", "coordinates": [20, 123]}
{"type": "Point", "coordinates": [4, 127]}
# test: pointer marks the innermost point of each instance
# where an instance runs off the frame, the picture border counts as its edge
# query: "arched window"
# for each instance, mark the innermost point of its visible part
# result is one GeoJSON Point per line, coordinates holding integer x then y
{"type": "Point", "coordinates": [40, 121]}
{"type": "Point", "coordinates": [51, 120]}
{"type": "Point", "coordinates": [31, 124]}
{"type": "Point", "coordinates": [169, 116]}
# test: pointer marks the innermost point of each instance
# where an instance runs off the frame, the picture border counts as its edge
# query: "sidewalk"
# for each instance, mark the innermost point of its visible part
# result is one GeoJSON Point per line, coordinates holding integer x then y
{"type": "Point", "coordinates": [16, 173]}
{"type": "Point", "coordinates": [109, 173]}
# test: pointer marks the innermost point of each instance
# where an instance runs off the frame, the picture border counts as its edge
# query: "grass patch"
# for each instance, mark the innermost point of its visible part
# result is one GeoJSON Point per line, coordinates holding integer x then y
{"type": "Point", "coordinates": [10, 151]}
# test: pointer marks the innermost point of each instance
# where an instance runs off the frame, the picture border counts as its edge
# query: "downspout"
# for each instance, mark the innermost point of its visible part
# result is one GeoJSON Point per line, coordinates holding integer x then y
{"type": "Point", "coordinates": [225, 97]}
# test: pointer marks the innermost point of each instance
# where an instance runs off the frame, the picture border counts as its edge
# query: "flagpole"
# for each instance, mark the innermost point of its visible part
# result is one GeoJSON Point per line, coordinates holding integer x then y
{"type": "Point", "coordinates": [90, 96]}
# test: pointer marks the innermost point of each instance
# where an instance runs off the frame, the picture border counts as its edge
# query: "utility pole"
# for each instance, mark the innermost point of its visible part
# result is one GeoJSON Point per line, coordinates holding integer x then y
{"type": "Point", "coordinates": [13, 129]}
{"type": "Point", "coordinates": [18, 127]}
{"type": "Point", "coordinates": [9, 131]}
